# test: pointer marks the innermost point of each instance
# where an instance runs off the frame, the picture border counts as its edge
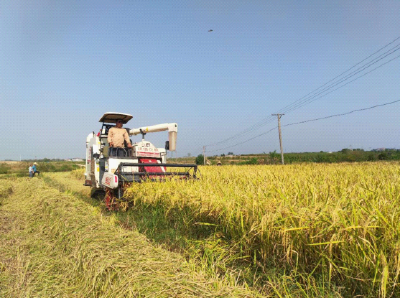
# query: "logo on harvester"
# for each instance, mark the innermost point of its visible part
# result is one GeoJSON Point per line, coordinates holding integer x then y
{"type": "Point", "coordinates": [107, 180]}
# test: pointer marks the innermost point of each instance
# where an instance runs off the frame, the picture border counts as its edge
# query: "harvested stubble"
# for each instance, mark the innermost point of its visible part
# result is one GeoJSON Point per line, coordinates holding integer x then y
{"type": "Point", "coordinates": [6, 189]}
{"type": "Point", "coordinates": [335, 225]}
{"type": "Point", "coordinates": [78, 173]}
{"type": "Point", "coordinates": [55, 245]}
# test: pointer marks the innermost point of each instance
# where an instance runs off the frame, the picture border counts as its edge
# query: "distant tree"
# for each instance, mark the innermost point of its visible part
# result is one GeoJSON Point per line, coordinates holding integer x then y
{"type": "Point", "coordinates": [230, 153]}
{"type": "Point", "coordinates": [383, 156]}
{"type": "Point", "coordinates": [200, 159]}
{"type": "Point", "coordinates": [222, 154]}
{"type": "Point", "coordinates": [189, 155]}
{"type": "Point", "coordinates": [273, 155]}
{"type": "Point", "coordinates": [345, 150]}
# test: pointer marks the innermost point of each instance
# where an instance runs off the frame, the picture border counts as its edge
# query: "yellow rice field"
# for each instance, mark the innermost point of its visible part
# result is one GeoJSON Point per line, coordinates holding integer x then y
{"type": "Point", "coordinates": [336, 223]}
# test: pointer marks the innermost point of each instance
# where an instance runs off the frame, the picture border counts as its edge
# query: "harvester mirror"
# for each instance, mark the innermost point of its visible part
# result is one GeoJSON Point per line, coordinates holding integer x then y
{"type": "Point", "coordinates": [167, 145]}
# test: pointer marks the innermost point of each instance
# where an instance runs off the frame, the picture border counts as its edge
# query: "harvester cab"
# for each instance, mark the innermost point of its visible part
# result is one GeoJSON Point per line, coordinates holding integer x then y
{"type": "Point", "coordinates": [110, 170]}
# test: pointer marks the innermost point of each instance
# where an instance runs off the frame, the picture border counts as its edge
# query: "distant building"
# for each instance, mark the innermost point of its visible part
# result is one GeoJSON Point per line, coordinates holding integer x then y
{"type": "Point", "coordinates": [76, 159]}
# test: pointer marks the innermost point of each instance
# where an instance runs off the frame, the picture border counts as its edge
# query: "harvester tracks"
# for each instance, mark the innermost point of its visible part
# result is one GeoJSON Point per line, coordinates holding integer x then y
{"type": "Point", "coordinates": [82, 193]}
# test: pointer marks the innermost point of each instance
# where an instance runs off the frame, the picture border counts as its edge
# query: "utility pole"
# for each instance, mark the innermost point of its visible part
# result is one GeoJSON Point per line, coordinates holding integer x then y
{"type": "Point", "coordinates": [204, 155]}
{"type": "Point", "coordinates": [280, 135]}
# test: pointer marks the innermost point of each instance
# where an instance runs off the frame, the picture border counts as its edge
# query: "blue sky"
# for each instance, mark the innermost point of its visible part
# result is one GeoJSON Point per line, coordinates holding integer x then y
{"type": "Point", "coordinates": [63, 64]}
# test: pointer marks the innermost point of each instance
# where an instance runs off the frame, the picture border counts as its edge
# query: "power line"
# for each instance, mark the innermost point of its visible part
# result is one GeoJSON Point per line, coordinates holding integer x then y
{"type": "Point", "coordinates": [256, 125]}
{"type": "Point", "coordinates": [375, 60]}
{"type": "Point", "coordinates": [298, 104]}
{"type": "Point", "coordinates": [315, 98]}
{"type": "Point", "coordinates": [310, 120]}
{"type": "Point", "coordinates": [357, 64]}
{"type": "Point", "coordinates": [343, 114]}
{"type": "Point", "coordinates": [264, 133]}
{"type": "Point", "coordinates": [307, 99]}
{"type": "Point", "coordinates": [364, 74]}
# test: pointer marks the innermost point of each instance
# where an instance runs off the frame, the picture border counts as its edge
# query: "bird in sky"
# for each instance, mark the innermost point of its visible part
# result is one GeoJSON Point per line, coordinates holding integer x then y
{"type": "Point", "coordinates": [211, 30]}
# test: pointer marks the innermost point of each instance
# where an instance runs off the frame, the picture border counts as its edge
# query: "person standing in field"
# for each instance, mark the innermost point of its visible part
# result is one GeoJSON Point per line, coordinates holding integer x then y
{"type": "Point", "coordinates": [30, 171]}
{"type": "Point", "coordinates": [34, 169]}
{"type": "Point", "coordinates": [116, 137]}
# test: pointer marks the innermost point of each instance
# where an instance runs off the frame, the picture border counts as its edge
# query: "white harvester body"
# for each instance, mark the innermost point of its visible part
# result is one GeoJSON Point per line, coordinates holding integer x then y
{"type": "Point", "coordinates": [106, 172]}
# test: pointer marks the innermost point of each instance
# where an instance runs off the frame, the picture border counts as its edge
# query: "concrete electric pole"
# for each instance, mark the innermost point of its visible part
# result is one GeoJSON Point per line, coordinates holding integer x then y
{"type": "Point", "coordinates": [280, 135]}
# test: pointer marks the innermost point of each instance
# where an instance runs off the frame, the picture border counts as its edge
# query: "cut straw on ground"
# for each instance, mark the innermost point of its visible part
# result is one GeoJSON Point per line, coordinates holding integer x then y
{"type": "Point", "coordinates": [53, 244]}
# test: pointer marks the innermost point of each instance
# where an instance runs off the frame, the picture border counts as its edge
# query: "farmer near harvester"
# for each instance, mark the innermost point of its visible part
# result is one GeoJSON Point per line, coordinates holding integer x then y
{"type": "Point", "coordinates": [35, 171]}
{"type": "Point", "coordinates": [116, 137]}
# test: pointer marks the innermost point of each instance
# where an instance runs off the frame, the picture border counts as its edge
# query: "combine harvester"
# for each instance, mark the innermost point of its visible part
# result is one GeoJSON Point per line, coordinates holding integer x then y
{"type": "Point", "coordinates": [109, 175]}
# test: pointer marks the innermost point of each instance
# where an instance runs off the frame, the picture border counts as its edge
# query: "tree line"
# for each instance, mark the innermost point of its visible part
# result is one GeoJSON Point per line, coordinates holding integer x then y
{"type": "Point", "coordinates": [345, 155]}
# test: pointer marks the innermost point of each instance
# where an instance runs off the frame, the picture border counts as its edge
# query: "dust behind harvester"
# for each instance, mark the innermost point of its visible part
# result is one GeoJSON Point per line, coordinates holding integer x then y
{"type": "Point", "coordinates": [109, 171]}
